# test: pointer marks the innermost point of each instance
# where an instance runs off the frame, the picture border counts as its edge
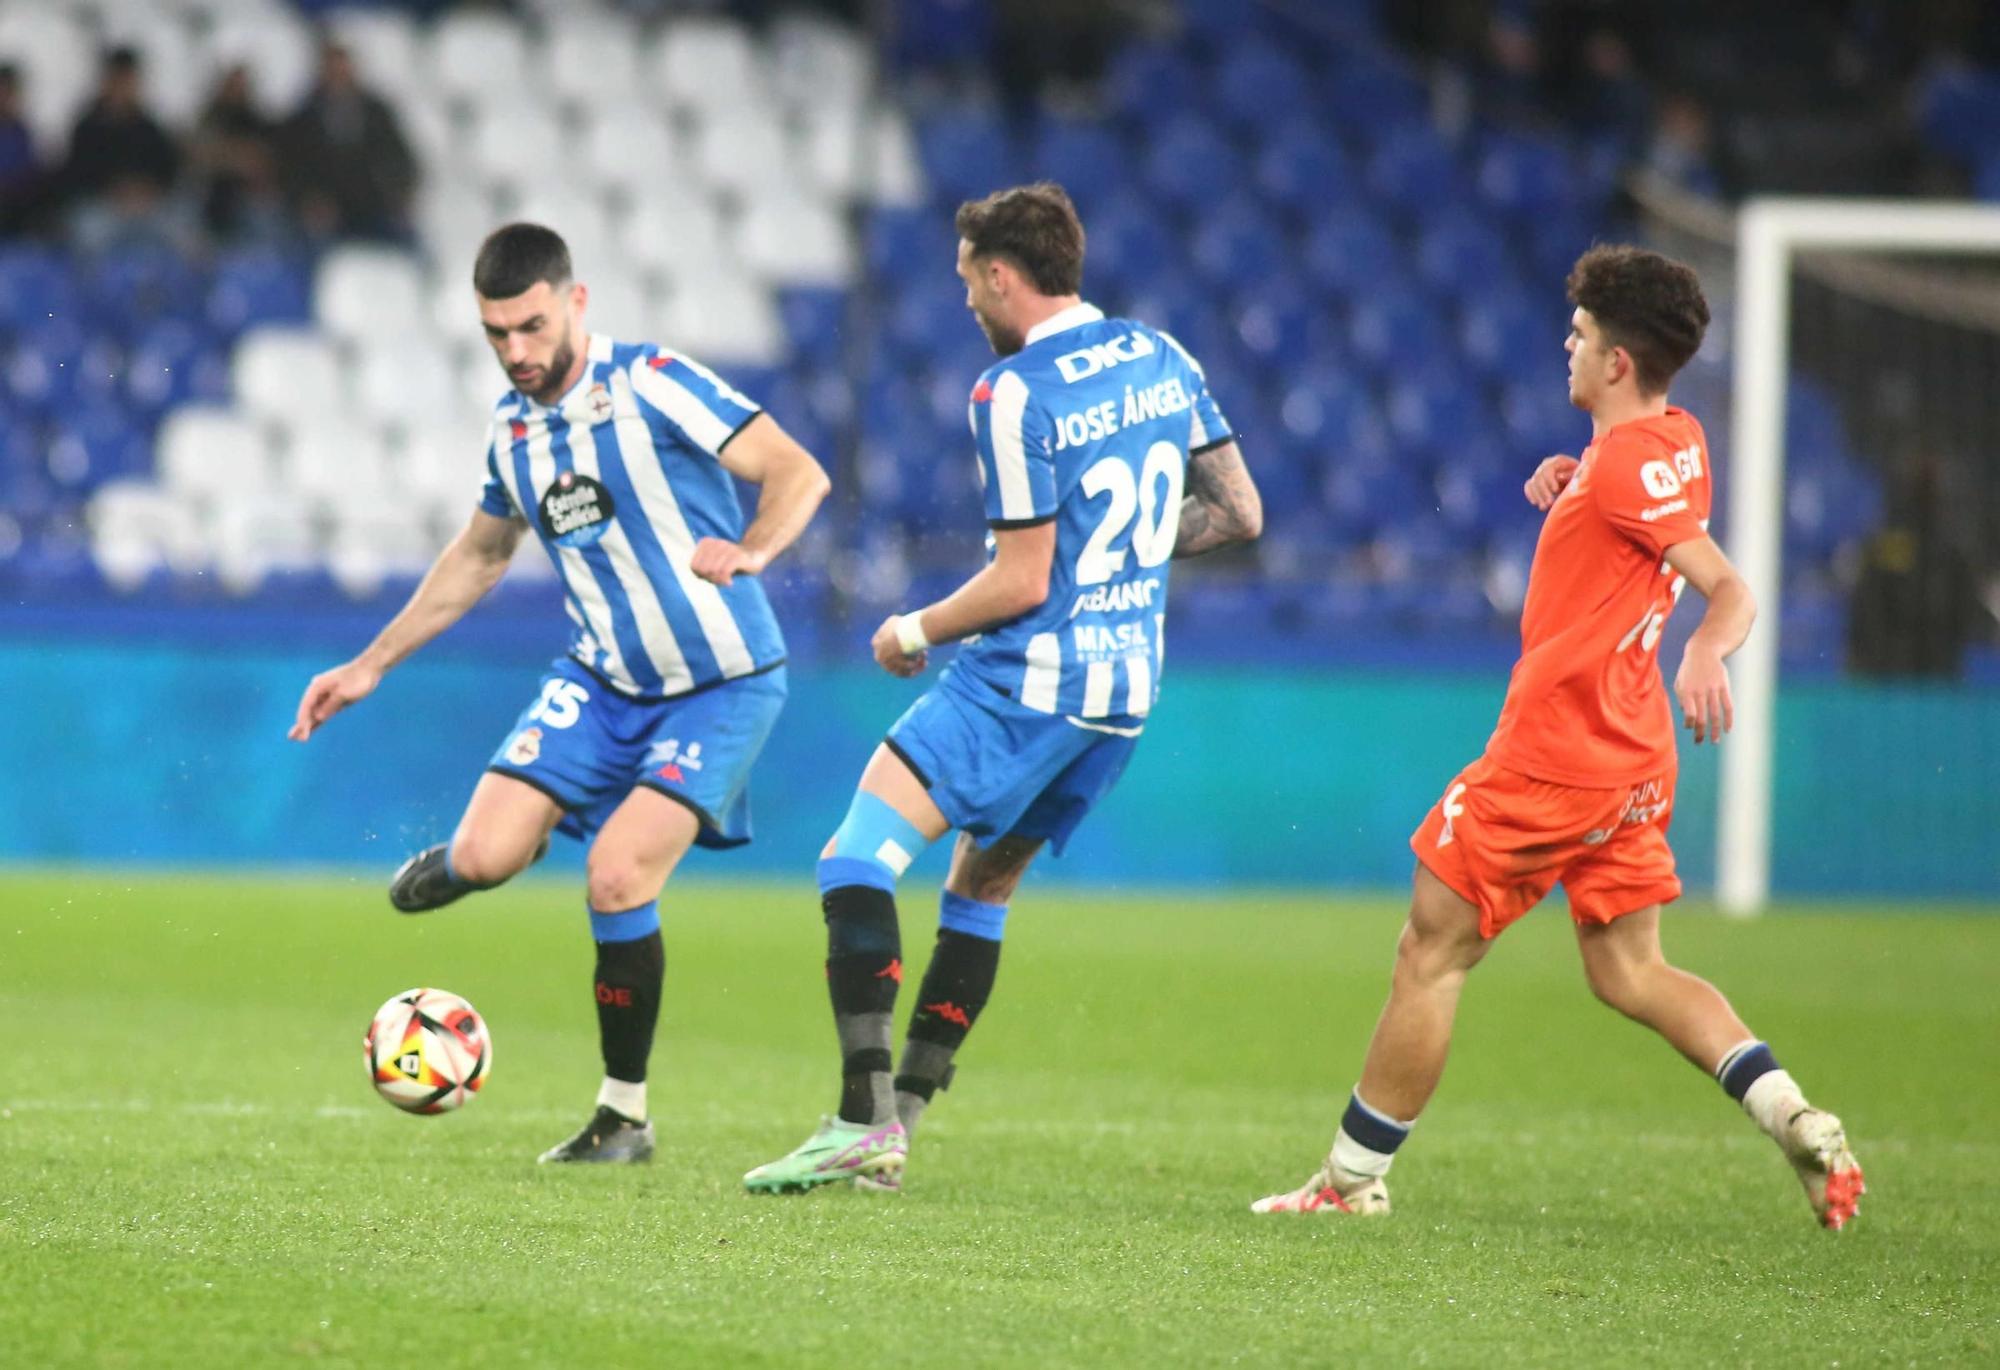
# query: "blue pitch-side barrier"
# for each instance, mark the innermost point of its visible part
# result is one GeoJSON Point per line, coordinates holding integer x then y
{"type": "Point", "coordinates": [154, 747]}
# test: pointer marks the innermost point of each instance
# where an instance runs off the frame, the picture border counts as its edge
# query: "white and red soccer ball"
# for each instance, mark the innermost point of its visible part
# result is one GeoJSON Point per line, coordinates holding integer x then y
{"type": "Point", "coordinates": [428, 1051]}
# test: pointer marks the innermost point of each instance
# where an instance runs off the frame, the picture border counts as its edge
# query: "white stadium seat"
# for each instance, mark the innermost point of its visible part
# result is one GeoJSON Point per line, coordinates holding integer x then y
{"type": "Point", "coordinates": [743, 154]}
{"type": "Point", "coordinates": [678, 234]}
{"type": "Point", "coordinates": [478, 55]}
{"type": "Point", "coordinates": [480, 384]}
{"type": "Point", "coordinates": [580, 219]}
{"type": "Point", "coordinates": [58, 60]}
{"type": "Point", "coordinates": [631, 152]}
{"type": "Point", "coordinates": [286, 374]}
{"type": "Point", "coordinates": [896, 177]}
{"type": "Point", "coordinates": [395, 380]}
{"type": "Point", "coordinates": [256, 533]}
{"type": "Point", "coordinates": [435, 134]}
{"type": "Point", "coordinates": [723, 319]}
{"type": "Point", "coordinates": [334, 463]}
{"type": "Point", "coordinates": [204, 450]}
{"type": "Point", "coordinates": [620, 305]}
{"type": "Point", "coordinates": [370, 544]}
{"type": "Point", "coordinates": [444, 464]}
{"type": "Point", "coordinates": [790, 242]}
{"type": "Point", "coordinates": [592, 62]}
{"type": "Point", "coordinates": [706, 64]}
{"type": "Point", "coordinates": [387, 51]}
{"type": "Point", "coordinates": [361, 291]}
{"type": "Point", "coordinates": [275, 44]}
{"type": "Point", "coordinates": [136, 526]}
{"type": "Point", "coordinates": [819, 68]}
{"type": "Point", "coordinates": [514, 146]}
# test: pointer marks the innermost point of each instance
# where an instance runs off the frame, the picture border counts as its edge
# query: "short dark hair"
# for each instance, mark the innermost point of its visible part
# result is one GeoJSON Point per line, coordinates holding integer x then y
{"type": "Point", "coordinates": [1648, 304]}
{"type": "Point", "coordinates": [515, 256]}
{"type": "Point", "coordinates": [1035, 227]}
{"type": "Point", "coordinates": [121, 59]}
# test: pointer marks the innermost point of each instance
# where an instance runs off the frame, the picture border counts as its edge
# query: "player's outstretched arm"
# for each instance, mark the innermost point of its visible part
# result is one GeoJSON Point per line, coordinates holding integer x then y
{"type": "Point", "coordinates": [470, 565]}
{"type": "Point", "coordinates": [1221, 504]}
{"type": "Point", "coordinates": [1702, 683]}
{"type": "Point", "coordinates": [1015, 581]}
{"type": "Point", "coordinates": [790, 487]}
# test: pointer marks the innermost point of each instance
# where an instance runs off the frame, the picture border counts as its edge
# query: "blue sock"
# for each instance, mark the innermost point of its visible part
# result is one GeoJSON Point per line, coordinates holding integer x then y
{"type": "Point", "coordinates": [628, 926]}
{"type": "Point", "coordinates": [971, 917]}
{"type": "Point", "coordinates": [1743, 1067]}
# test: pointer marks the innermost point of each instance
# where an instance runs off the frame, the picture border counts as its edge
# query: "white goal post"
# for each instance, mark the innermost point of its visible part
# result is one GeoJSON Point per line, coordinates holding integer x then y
{"type": "Point", "coordinates": [1769, 233]}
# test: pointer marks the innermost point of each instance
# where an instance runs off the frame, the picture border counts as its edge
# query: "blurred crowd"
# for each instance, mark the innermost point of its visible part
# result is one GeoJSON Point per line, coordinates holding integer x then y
{"type": "Point", "coordinates": [336, 167]}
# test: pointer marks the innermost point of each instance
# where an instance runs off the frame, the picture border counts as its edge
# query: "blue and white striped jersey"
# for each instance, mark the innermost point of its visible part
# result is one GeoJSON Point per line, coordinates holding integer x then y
{"type": "Point", "coordinates": [1090, 424]}
{"type": "Point", "coordinates": [620, 479]}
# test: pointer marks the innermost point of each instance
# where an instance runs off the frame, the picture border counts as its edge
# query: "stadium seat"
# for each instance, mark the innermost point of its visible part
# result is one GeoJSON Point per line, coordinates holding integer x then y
{"type": "Point", "coordinates": [174, 363]}
{"type": "Point", "coordinates": [442, 464]}
{"type": "Point", "coordinates": [55, 366]}
{"type": "Point", "coordinates": [593, 63]}
{"type": "Point", "coordinates": [1150, 82]}
{"type": "Point", "coordinates": [1257, 86]}
{"type": "Point", "coordinates": [1397, 329]}
{"type": "Point", "coordinates": [127, 288]}
{"type": "Point", "coordinates": [138, 528]}
{"type": "Point", "coordinates": [724, 318]}
{"type": "Point", "coordinates": [815, 319]}
{"type": "Point", "coordinates": [1188, 165]}
{"type": "Point", "coordinates": [1527, 176]}
{"type": "Point", "coordinates": [286, 373]}
{"type": "Point", "coordinates": [204, 452]}
{"type": "Point", "coordinates": [1412, 170]}
{"type": "Point", "coordinates": [1236, 247]}
{"type": "Point", "coordinates": [966, 153]}
{"type": "Point", "coordinates": [394, 379]}
{"type": "Point", "coordinates": [675, 234]}
{"type": "Point", "coordinates": [632, 153]}
{"type": "Point", "coordinates": [176, 85]}
{"type": "Point", "coordinates": [91, 446]}
{"type": "Point", "coordinates": [275, 44]}
{"type": "Point", "coordinates": [1509, 336]}
{"type": "Point", "coordinates": [1349, 254]}
{"type": "Point", "coordinates": [257, 285]}
{"type": "Point", "coordinates": [581, 219]}
{"type": "Point", "coordinates": [1368, 92]}
{"type": "Point", "coordinates": [473, 52]}
{"type": "Point", "coordinates": [1458, 254]}
{"type": "Point", "coordinates": [743, 154]}
{"type": "Point", "coordinates": [334, 464]}
{"type": "Point", "coordinates": [387, 48]}
{"type": "Point", "coordinates": [708, 65]}
{"type": "Point", "coordinates": [1431, 408]}
{"type": "Point", "coordinates": [1085, 157]}
{"type": "Point", "coordinates": [369, 545]}
{"type": "Point", "coordinates": [818, 66]}
{"type": "Point", "coordinates": [253, 534]}
{"type": "Point", "coordinates": [515, 146]}
{"type": "Point", "coordinates": [1277, 325]}
{"type": "Point", "coordinates": [57, 56]}
{"type": "Point", "coordinates": [1129, 247]}
{"type": "Point", "coordinates": [36, 286]}
{"type": "Point", "coordinates": [357, 288]}
{"type": "Point", "coordinates": [1958, 107]}
{"type": "Point", "coordinates": [794, 243]}
{"type": "Point", "coordinates": [622, 306]}
{"type": "Point", "coordinates": [1303, 171]}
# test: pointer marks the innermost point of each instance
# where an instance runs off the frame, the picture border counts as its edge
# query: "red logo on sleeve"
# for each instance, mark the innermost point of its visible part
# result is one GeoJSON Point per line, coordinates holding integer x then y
{"type": "Point", "coordinates": [661, 362]}
{"type": "Point", "coordinates": [982, 392]}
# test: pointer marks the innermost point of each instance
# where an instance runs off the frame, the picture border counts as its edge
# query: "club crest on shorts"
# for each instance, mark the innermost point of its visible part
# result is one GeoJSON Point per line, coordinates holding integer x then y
{"type": "Point", "coordinates": [525, 747]}
{"type": "Point", "coordinates": [576, 510]}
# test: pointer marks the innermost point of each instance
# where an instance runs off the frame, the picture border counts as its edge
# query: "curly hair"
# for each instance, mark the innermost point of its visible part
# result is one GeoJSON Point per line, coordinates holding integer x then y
{"type": "Point", "coordinates": [1650, 305]}
{"type": "Point", "coordinates": [1035, 227]}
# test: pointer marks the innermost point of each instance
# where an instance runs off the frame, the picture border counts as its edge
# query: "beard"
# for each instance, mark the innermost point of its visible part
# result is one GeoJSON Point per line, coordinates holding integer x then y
{"type": "Point", "coordinates": [1004, 341]}
{"type": "Point", "coordinates": [554, 375]}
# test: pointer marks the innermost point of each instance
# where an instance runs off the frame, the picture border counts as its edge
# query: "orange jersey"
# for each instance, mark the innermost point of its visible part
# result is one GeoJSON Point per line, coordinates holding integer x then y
{"type": "Point", "coordinates": [1586, 705]}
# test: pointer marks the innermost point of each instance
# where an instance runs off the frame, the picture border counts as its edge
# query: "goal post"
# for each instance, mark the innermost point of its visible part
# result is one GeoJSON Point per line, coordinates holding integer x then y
{"type": "Point", "coordinates": [1769, 235]}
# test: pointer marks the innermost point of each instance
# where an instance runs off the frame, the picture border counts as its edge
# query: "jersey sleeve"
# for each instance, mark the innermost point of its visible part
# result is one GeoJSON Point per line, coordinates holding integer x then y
{"type": "Point", "coordinates": [1655, 499]}
{"type": "Point", "coordinates": [1209, 428]}
{"type": "Point", "coordinates": [494, 497]}
{"type": "Point", "coordinates": [690, 401]}
{"type": "Point", "coordinates": [1016, 452]}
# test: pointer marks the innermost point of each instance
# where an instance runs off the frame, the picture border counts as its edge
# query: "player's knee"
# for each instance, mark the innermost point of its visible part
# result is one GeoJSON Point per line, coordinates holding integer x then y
{"type": "Point", "coordinates": [1617, 983]}
{"type": "Point", "coordinates": [479, 858]}
{"type": "Point", "coordinates": [872, 848]}
{"type": "Point", "coordinates": [617, 881]}
{"type": "Point", "coordinates": [1428, 955]}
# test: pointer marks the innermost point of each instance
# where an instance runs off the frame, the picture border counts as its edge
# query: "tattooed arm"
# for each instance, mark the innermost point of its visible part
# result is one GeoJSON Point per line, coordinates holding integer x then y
{"type": "Point", "coordinates": [1221, 505]}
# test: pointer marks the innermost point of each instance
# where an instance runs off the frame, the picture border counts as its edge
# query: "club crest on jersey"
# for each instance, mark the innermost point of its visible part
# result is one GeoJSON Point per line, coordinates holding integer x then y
{"type": "Point", "coordinates": [576, 510]}
{"type": "Point", "coordinates": [526, 746]}
{"type": "Point", "coordinates": [597, 406]}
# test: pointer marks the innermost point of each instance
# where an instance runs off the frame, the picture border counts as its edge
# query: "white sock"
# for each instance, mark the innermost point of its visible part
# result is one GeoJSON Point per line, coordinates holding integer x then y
{"type": "Point", "coordinates": [624, 1097]}
{"type": "Point", "coordinates": [1772, 1101]}
{"type": "Point", "coordinates": [1357, 1159]}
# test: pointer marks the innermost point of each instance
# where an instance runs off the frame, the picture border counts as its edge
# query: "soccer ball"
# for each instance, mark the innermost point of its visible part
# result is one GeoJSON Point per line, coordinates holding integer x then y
{"type": "Point", "coordinates": [428, 1051]}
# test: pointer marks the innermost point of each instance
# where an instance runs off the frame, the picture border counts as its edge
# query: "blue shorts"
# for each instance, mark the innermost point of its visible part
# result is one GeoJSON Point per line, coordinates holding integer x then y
{"type": "Point", "coordinates": [586, 746]}
{"type": "Point", "coordinates": [996, 769]}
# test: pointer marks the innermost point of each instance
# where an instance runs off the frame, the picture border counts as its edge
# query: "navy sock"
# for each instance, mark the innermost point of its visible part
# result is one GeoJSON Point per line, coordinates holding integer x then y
{"type": "Point", "coordinates": [1743, 1067]}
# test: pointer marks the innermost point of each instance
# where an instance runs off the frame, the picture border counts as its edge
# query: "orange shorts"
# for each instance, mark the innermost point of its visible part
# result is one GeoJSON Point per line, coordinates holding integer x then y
{"type": "Point", "coordinates": [1502, 840]}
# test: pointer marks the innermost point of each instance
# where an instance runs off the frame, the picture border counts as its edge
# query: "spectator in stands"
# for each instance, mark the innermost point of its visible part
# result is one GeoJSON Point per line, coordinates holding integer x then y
{"type": "Point", "coordinates": [235, 149]}
{"type": "Point", "coordinates": [20, 171]}
{"type": "Point", "coordinates": [1681, 148]}
{"type": "Point", "coordinates": [1917, 602]}
{"type": "Point", "coordinates": [351, 170]}
{"type": "Point", "coordinates": [122, 164]}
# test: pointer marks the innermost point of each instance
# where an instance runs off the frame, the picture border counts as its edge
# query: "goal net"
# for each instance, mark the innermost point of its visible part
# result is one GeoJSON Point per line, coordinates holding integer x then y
{"type": "Point", "coordinates": [1852, 387]}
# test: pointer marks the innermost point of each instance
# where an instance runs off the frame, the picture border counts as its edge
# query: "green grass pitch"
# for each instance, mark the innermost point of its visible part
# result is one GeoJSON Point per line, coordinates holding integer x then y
{"type": "Point", "coordinates": [196, 1171]}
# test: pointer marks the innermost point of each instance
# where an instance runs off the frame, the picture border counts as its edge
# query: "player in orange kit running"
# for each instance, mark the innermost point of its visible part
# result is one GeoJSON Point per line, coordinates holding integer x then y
{"type": "Point", "coordinates": [1577, 783]}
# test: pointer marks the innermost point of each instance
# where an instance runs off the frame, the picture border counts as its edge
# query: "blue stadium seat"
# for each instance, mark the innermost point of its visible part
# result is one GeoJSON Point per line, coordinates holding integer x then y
{"type": "Point", "coordinates": [174, 363]}
{"type": "Point", "coordinates": [1258, 86]}
{"type": "Point", "coordinates": [1083, 156]}
{"type": "Point", "coordinates": [935, 33]}
{"type": "Point", "coordinates": [1276, 325]}
{"type": "Point", "coordinates": [1349, 254]}
{"type": "Point", "coordinates": [814, 318]}
{"type": "Point", "coordinates": [129, 288]}
{"type": "Point", "coordinates": [94, 445]}
{"type": "Point", "coordinates": [36, 287]}
{"type": "Point", "coordinates": [1368, 91]}
{"type": "Point", "coordinates": [256, 286]}
{"type": "Point", "coordinates": [1151, 82]}
{"type": "Point", "coordinates": [1958, 108]}
{"type": "Point", "coordinates": [921, 321]}
{"type": "Point", "coordinates": [966, 153]}
{"type": "Point", "coordinates": [1189, 166]}
{"type": "Point", "coordinates": [1129, 247]}
{"type": "Point", "coordinates": [901, 243]}
{"type": "Point", "coordinates": [1511, 337]}
{"type": "Point", "coordinates": [1434, 408]}
{"type": "Point", "coordinates": [1236, 247]}
{"type": "Point", "coordinates": [1527, 176]}
{"type": "Point", "coordinates": [1412, 170]}
{"type": "Point", "coordinates": [1538, 421]}
{"type": "Point", "coordinates": [56, 366]}
{"type": "Point", "coordinates": [1458, 254]}
{"type": "Point", "coordinates": [1398, 328]}
{"type": "Point", "coordinates": [1303, 171]}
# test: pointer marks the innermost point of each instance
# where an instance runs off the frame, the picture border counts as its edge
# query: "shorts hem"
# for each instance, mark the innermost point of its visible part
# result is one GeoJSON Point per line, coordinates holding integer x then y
{"type": "Point", "coordinates": [566, 805]}
{"type": "Point", "coordinates": [1487, 931]}
{"type": "Point", "coordinates": [902, 754]}
{"type": "Point", "coordinates": [710, 834]}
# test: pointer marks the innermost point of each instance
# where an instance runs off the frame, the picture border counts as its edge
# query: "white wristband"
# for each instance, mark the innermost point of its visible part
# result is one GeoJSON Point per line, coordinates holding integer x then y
{"type": "Point", "coordinates": [910, 634]}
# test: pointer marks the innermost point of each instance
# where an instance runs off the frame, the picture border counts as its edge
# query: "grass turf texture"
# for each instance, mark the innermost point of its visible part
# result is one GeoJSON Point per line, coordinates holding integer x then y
{"type": "Point", "coordinates": [197, 1172]}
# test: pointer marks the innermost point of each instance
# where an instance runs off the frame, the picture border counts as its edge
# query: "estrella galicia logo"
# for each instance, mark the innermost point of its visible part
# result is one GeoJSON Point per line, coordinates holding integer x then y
{"type": "Point", "coordinates": [576, 510]}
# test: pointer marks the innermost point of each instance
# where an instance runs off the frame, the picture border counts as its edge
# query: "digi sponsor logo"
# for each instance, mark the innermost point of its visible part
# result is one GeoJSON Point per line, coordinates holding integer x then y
{"type": "Point", "coordinates": [576, 510]}
{"type": "Point", "coordinates": [525, 748]}
{"type": "Point", "coordinates": [1084, 364]}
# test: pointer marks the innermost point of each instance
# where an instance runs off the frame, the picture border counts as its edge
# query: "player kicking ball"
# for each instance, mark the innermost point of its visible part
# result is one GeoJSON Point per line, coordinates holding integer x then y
{"type": "Point", "coordinates": [1101, 456]}
{"type": "Point", "coordinates": [640, 739]}
{"type": "Point", "coordinates": [1577, 783]}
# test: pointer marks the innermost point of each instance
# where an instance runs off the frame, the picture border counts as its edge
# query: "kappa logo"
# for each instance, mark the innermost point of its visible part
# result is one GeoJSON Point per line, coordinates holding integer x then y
{"type": "Point", "coordinates": [982, 393]}
{"type": "Point", "coordinates": [661, 362]}
{"type": "Point", "coordinates": [951, 1013]}
{"type": "Point", "coordinates": [525, 748]}
{"type": "Point", "coordinates": [1082, 365]}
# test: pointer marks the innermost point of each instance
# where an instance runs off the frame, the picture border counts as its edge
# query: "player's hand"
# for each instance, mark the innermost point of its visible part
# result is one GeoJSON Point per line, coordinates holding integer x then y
{"type": "Point", "coordinates": [329, 693]}
{"type": "Point", "coordinates": [719, 561]}
{"type": "Point", "coordinates": [1549, 479]}
{"type": "Point", "coordinates": [889, 653]}
{"type": "Point", "coordinates": [1702, 687]}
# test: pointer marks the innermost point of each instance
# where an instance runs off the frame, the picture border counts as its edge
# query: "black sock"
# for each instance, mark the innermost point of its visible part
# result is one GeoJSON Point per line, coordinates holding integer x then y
{"type": "Point", "coordinates": [864, 969]}
{"type": "Point", "coordinates": [955, 989]}
{"type": "Point", "coordinates": [629, 976]}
